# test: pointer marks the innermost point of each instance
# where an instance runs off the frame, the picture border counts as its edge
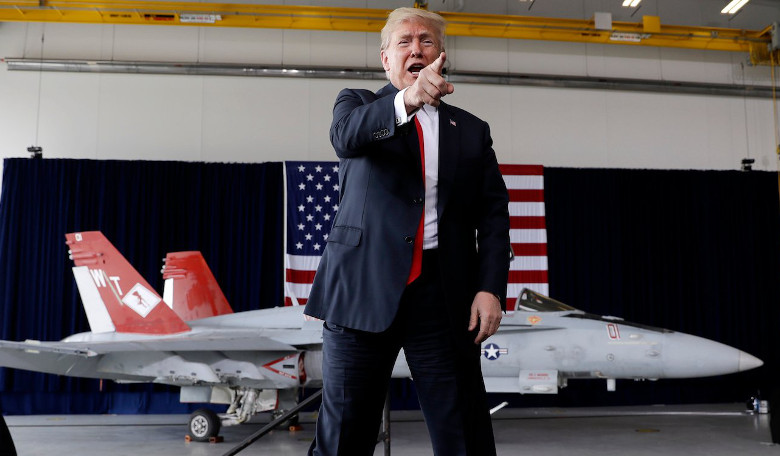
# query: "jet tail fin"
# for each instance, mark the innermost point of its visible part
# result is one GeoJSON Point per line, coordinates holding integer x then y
{"type": "Point", "coordinates": [191, 289]}
{"type": "Point", "coordinates": [115, 296]}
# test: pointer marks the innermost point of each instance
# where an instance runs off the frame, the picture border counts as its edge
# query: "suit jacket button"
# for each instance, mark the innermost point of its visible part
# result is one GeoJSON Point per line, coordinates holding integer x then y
{"type": "Point", "coordinates": [408, 239]}
{"type": "Point", "coordinates": [417, 201]}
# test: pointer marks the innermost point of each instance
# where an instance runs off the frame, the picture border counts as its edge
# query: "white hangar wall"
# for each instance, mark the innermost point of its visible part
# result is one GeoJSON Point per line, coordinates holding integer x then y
{"type": "Point", "coordinates": [250, 119]}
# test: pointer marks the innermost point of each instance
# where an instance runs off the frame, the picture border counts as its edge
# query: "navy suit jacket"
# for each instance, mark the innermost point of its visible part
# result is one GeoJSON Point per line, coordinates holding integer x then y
{"type": "Point", "coordinates": [366, 262]}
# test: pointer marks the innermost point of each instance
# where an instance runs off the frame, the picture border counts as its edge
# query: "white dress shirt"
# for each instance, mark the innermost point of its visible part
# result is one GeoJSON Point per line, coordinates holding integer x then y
{"type": "Point", "coordinates": [429, 121]}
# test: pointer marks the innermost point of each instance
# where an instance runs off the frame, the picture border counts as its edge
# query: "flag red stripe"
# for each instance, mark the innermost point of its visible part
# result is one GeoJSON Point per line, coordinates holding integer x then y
{"type": "Point", "coordinates": [527, 222]}
{"type": "Point", "coordinates": [527, 276]}
{"type": "Point", "coordinates": [510, 303]}
{"type": "Point", "coordinates": [529, 249]}
{"type": "Point", "coordinates": [528, 170]}
{"type": "Point", "coordinates": [298, 276]}
{"type": "Point", "coordinates": [289, 301]}
{"type": "Point", "coordinates": [526, 196]}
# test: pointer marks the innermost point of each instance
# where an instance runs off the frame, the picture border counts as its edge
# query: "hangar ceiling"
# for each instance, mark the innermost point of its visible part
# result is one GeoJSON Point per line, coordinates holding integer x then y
{"type": "Point", "coordinates": [756, 14]}
{"type": "Point", "coordinates": [693, 24]}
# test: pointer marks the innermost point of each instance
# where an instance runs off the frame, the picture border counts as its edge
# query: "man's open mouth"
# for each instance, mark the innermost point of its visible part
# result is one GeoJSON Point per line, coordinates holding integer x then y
{"type": "Point", "coordinates": [415, 69]}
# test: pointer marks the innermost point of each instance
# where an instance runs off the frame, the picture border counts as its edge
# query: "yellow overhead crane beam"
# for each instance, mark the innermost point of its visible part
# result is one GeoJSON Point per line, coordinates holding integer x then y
{"type": "Point", "coordinates": [649, 32]}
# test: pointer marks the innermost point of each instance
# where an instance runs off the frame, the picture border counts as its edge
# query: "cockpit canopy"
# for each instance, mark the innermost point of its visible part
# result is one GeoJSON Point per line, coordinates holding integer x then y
{"type": "Point", "coordinates": [531, 301]}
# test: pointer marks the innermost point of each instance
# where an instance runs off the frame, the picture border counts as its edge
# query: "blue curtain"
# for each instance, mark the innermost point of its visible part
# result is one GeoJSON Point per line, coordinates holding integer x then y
{"type": "Point", "coordinates": [230, 212]}
{"type": "Point", "coordinates": [692, 251]}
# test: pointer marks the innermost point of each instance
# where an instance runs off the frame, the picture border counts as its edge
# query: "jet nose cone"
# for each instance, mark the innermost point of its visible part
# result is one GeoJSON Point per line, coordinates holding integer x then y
{"type": "Point", "coordinates": [748, 361]}
{"type": "Point", "coordinates": [687, 356]}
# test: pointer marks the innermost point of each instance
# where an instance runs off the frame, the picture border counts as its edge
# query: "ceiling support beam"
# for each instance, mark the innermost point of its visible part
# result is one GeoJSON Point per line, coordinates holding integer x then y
{"type": "Point", "coordinates": [528, 80]}
{"type": "Point", "coordinates": [649, 32]}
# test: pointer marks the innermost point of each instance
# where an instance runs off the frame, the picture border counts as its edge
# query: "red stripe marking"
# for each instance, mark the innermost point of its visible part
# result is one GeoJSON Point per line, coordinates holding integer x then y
{"type": "Point", "coordinates": [510, 303]}
{"type": "Point", "coordinates": [529, 249]}
{"type": "Point", "coordinates": [300, 276]}
{"type": "Point", "coordinates": [523, 222]}
{"type": "Point", "coordinates": [527, 276]}
{"type": "Point", "coordinates": [270, 367]}
{"type": "Point", "coordinates": [530, 170]}
{"type": "Point", "coordinates": [526, 196]}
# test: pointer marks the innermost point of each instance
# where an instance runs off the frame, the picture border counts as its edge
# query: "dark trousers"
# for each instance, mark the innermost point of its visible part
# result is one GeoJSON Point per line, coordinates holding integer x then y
{"type": "Point", "coordinates": [444, 362]}
{"type": "Point", "coordinates": [6, 443]}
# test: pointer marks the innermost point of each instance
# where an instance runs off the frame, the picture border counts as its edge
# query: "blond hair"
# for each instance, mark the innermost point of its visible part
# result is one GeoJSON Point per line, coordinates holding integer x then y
{"type": "Point", "coordinates": [401, 15]}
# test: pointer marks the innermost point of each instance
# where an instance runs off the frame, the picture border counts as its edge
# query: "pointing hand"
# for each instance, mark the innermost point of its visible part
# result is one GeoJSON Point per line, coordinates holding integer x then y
{"type": "Point", "coordinates": [429, 87]}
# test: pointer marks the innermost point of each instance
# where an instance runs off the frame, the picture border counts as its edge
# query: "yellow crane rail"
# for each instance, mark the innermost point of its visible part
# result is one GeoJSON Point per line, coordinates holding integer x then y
{"type": "Point", "coordinates": [649, 32]}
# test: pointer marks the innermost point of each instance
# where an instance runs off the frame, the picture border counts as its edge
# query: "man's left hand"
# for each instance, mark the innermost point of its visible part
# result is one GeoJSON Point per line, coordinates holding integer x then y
{"type": "Point", "coordinates": [487, 310]}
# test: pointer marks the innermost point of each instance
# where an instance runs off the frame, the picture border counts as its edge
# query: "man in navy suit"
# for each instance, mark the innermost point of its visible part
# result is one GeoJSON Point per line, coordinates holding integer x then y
{"type": "Point", "coordinates": [418, 254]}
{"type": "Point", "coordinates": [7, 447]}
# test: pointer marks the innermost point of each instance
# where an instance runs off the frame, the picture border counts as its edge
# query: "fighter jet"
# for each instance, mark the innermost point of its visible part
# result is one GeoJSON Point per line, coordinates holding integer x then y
{"type": "Point", "coordinates": [545, 342]}
{"type": "Point", "coordinates": [255, 361]}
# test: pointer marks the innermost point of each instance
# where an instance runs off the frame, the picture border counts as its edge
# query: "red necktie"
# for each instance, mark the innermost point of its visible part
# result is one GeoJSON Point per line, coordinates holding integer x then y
{"type": "Point", "coordinates": [418, 238]}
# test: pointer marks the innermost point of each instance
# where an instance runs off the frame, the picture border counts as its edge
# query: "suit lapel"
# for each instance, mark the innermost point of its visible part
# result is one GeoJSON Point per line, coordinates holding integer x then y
{"type": "Point", "coordinates": [449, 153]}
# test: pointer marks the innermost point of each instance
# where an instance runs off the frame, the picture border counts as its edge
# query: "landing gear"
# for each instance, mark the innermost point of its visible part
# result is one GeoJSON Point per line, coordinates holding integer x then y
{"type": "Point", "coordinates": [204, 424]}
{"type": "Point", "coordinates": [247, 402]}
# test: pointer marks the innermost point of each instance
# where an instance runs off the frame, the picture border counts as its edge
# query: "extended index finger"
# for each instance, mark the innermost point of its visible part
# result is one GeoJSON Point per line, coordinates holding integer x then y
{"type": "Point", "coordinates": [438, 64]}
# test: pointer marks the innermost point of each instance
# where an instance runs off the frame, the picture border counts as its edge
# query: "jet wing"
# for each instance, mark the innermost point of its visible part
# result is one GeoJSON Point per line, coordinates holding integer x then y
{"type": "Point", "coordinates": [88, 358]}
{"type": "Point", "coordinates": [49, 357]}
{"type": "Point", "coordinates": [33, 346]}
{"type": "Point", "coordinates": [234, 341]}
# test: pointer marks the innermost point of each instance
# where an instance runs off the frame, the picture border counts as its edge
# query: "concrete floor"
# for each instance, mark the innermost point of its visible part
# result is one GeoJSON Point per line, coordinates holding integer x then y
{"type": "Point", "coordinates": [710, 430]}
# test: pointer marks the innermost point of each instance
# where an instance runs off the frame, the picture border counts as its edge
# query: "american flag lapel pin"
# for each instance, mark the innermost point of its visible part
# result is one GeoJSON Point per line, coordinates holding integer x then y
{"type": "Point", "coordinates": [452, 122]}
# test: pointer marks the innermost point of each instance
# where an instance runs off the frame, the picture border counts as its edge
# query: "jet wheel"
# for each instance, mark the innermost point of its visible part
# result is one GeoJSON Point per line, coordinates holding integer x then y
{"type": "Point", "coordinates": [204, 424]}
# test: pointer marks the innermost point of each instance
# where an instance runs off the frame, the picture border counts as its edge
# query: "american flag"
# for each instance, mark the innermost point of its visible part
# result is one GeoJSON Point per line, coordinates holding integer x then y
{"type": "Point", "coordinates": [527, 230]}
{"type": "Point", "coordinates": [312, 202]}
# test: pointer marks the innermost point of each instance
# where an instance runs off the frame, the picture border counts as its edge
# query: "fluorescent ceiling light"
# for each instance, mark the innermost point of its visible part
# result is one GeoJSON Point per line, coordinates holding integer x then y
{"type": "Point", "coordinates": [733, 6]}
{"type": "Point", "coordinates": [631, 3]}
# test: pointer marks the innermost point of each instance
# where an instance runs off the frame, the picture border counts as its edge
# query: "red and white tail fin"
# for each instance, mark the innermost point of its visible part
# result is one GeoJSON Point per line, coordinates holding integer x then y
{"type": "Point", "coordinates": [191, 289]}
{"type": "Point", "coordinates": [115, 296]}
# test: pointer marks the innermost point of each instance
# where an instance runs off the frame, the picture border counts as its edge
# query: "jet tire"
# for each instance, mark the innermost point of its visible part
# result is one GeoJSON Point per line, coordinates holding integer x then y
{"type": "Point", "coordinates": [203, 425]}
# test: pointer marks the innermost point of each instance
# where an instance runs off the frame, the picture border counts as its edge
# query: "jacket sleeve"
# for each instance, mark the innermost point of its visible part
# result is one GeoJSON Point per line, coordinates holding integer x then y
{"type": "Point", "coordinates": [360, 118]}
{"type": "Point", "coordinates": [493, 243]}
